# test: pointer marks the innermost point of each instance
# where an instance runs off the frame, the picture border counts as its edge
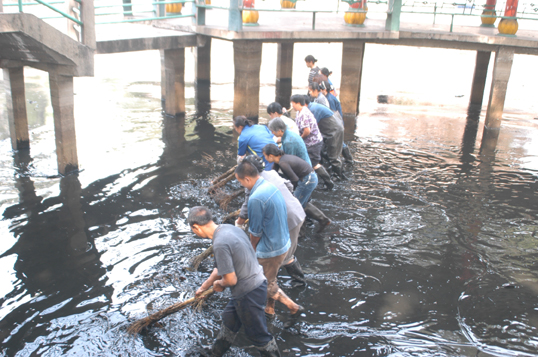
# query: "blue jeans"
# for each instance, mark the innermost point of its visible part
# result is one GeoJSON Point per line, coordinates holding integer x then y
{"type": "Point", "coordinates": [305, 187]}
{"type": "Point", "coordinates": [249, 311]}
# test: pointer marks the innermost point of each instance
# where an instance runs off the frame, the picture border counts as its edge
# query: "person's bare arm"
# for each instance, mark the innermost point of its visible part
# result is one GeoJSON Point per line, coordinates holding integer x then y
{"type": "Point", "coordinates": [209, 282]}
{"type": "Point", "coordinates": [229, 279]}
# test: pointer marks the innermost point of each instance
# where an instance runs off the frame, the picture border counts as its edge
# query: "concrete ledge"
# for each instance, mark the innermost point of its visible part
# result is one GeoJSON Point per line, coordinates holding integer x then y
{"type": "Point", "coordinates": [27, 39]}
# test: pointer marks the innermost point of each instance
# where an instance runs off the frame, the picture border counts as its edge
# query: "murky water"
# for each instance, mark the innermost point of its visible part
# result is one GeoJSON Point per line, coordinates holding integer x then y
{"type": "Point", "coordinates": [432, 250]}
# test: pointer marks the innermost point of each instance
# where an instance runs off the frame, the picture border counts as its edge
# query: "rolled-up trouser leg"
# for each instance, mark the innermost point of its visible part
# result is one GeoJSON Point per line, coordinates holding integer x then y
{"type": "Point", "coordinates": [270, 270]}
{"type": "Point", "coordinates": [294, 237]}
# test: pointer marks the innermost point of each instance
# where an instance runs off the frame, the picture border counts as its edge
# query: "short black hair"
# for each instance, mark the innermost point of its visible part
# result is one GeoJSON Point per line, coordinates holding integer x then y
{"type": "Point", "coordinates": [256, 161]}
{"type": "Point", "coordinates": [297, 98]}
{"type": "Point", "coordinates": [325, 71]}
{"type": "Point", "coordinates": [310, 58]}
{"type": "Point", "coordinates": [199, 215]}
{"type": "Point", "coordinates": [308, 99]}
{"type": "Point", "coordinates": [314, 86]}
{"type": "Point", "coordinates": [274, 107]}
{"type": "Point", "coordinates": [246, 169]}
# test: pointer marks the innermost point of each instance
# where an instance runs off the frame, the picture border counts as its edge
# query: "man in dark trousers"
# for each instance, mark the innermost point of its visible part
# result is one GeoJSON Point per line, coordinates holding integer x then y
{"type": "Point", "coordinates": [238, 269]}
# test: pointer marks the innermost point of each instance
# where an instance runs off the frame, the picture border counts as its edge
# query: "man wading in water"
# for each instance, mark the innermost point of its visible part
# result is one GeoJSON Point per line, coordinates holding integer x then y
{"type": "Point", "coordinates": [269, 234]}
{"type": "Point", "coordinates": [238, 269]}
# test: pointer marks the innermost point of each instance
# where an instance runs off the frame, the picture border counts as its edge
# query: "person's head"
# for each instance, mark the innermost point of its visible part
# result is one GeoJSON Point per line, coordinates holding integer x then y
{"type": "Point", "coordinates": [278, 127]}
{"type": "Point", "coordinates": [274, 110]}
{"type": "Point", "coordinates": [325, 71]}
{"type": "Point", "coordinates": [314, 89]}
{"type": "Point", "coordinates": [310, 61]}
{"type": "Point", "coordinates": [201, 222]}
{"type": "Point", "coordinates": [307, 100]}
{"type": "Point", "coordinates": [272, 153]}
{"type": "Point", "coordinates": [297, 101]}
{"type": "Point", "coordinates": [255, 161]}
{"type": "Point", "coordinates": [247, 174]}
{"type": "Point", "coordinates": [240, 122]}
{"type": "Point", "coordinates": [325, 87]}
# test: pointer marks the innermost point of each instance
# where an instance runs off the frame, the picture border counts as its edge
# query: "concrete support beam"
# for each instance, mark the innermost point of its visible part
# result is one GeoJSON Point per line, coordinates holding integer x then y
{"type": "Point", "coordinates": [350, 86]}
{"type": "Point", "coordinates": [174, 81]}
{"type": "Point", "coordinates": [87, 16]}
{"type": "Point", "coordinates": [504, 57]}
{"type": "Point", "coordinates": [284, 67]}
{"type": "Point", "coordinates": [62, 99]}
{"type": "Point", "coordinates": [202, 82]}
{"type": "Point", "coordinates": [247, 63]}
{"type": "Point", "coordinates": [479, 77]}
{"type": "Point", "coordinates": [16, 101]}
{"type": "Point", "coordinates": [393, 15]}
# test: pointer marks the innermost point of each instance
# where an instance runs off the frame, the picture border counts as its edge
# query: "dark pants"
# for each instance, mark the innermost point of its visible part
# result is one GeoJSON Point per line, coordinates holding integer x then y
{"type": "Point", "coordinates": [314, 153]}
{"type": "Point", "coordinates": [332, 131]}
{"type": "Point", "coordinates": [249, 311]}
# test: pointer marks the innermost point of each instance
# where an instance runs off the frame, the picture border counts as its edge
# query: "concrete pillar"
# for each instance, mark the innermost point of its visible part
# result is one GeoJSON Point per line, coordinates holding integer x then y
{"type": "Point", "coordinates": [393, 15]}
{"type": "Point", "coordinates": [174, 81]}
{"type": "Point", "coordinates": [284, 67]}
{"type": "Point", "coordinates": [62, 99]}
{"type": "Point", "coordinates": [247, 63]}
{"type": "Point", "coordinates": [16, 101]}
{"type": "Point", "coordinates": [479, 78]}
{"type": "Point", "coordinates": [350, 86]}
{"type": "Point", "coordinates": [87, 16]}
{"type": "Point", "coordinates": [202, 82]}
{"type": "Point", "coordinates": [1, 6]}
{"type": "Point", "coordinates": [504, 57]}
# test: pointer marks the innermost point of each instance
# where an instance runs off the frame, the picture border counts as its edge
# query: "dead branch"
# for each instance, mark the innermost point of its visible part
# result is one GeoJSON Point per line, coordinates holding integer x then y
{"type": "Point", "coordinates": [195, 262]}
{"type": "Point", "coordinates": [222, 182]}
{"type": "Point", "coordinates": [224, 175]}
{"type": "Point", "coordinates": [137, 326]}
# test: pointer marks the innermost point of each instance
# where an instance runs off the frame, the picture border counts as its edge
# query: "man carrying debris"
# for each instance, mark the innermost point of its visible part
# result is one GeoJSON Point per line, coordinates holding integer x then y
{"type": "Point", "coordinates": [238, 269]}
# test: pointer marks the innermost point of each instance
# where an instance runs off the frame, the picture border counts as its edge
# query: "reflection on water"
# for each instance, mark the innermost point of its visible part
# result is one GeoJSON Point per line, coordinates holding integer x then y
{"type": "Point", "coordinates": [432, 251]}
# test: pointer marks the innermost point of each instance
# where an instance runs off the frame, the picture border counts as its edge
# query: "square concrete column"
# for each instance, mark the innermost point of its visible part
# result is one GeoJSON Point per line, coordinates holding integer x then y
{"type": "Point", "coordinates": [504, 57]}
{"type": "Point", "coordinates": [202, 82]}
{"type": "Point", "coordinates": [62, 99]}
{"type": "Point", "coordinates": [350, 86]}
{"type": "Point", "coordinates": [284, 67]}
{"type": "Point", "coordinates": [16, 108]}
{"type": "Point", "coordinates": [247, 63]}
{"type": "Point", "coordinates": [174, 81]}
{"type": "Point", "coordinates": [479, 77]}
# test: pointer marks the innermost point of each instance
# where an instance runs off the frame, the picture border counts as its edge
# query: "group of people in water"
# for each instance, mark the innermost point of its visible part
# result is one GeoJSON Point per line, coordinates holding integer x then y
{"type": "Point", "coordinates": [279, 165]}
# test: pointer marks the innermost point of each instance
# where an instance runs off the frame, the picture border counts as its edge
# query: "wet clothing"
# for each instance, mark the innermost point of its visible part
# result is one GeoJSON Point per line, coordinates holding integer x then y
{"type": "Point", "coordinates": [332, 130]}
{"type": "Point", "coordinates": [294, 239]}
{"type": "Point", "coordinates": [268, 219]}
{"type": "Point", "coordinates": [322, 100]}
{"type": "Point", "coordinates": [293, 144]}
{"type": "Point", "coordinates": [313, 72]}
{"type": "Point", "coordinates": [334, 104]}
{"type": "Point", "coordinates": [314, 153]}
{"type": "Point", "coordinates": [294, 168]}
{"type": "Point", "coordinates": [271, 266]}
{"type": "Point", "coordinates": [305, 188]}
{"type": "Point", "coordinates": [249, 311]}
{"type": "Point", "coordinates": [234, 253]}
{"type": "Point", "coordinates": [253, 139]}
{"type": "Point", "coordinates": [295, 210]}
{"type": "Point", "coordinates": [306, 119]}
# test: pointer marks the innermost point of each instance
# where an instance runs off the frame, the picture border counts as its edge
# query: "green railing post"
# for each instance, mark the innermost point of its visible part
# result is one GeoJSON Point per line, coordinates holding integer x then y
{"type": "Point", "coordinates": [20, 5]}
{"type": "Point", "coordinates": [313, 20]}
{"type": "Point", "coordinates": [199, 12]}
{"type": "Point", "coordinates": [393, 15]}
{"type": "Point", "coordinates": [235, 20]}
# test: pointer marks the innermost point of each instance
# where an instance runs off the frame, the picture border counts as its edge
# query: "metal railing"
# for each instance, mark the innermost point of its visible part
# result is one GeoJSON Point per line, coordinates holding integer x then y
{"type": "Point", "coordinates": [128, 11]}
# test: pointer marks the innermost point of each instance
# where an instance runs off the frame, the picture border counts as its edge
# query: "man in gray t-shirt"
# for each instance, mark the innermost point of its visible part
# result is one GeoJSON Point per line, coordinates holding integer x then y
{"type": "Point", "coordinates": [236, 267]}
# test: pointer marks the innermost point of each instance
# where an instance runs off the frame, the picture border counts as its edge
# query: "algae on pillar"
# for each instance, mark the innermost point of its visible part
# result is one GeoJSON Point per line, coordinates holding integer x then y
{"type": "Point", "coordinates": [247, 63]}
{"type": "Point", "coordinates": [284, 68]}
{"type": "Point", "coordinates": [504, 57]}
{"type": "Point", "coordinates": [202, 82]}
{"type": "Point", "coordinates": [479, 77]}
{"type": "Point", "coordinates": [16, 108]}
{"type": "Point", "coordinates": [350, 86]}
{"type": "Point", "coordinates": [174, 81]}
{"type": "Point", "coordinates": [62, 99]}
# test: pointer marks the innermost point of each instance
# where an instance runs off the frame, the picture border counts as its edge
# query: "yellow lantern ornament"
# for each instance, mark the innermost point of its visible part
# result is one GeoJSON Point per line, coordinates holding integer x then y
{"type": "Point", "coordinates": [488, 21]}
{"type": "Point", "coordinates": [356, 18]}
{"type": "Point", "coordinates": [508, 27]}
{"type": "Point", "coordinates": [287, 4]}
{"type": "Point", "coordinates": [250, 17]}
{"type": "Point", "coordinates": [174, 8]}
